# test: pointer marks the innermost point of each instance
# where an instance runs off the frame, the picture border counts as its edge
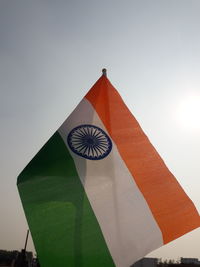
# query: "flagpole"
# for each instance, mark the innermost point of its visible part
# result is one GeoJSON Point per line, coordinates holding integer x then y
{"type": "Point", "coordinates": [104, 72]}
{"type": "Point", "coordinates": [115, 201]}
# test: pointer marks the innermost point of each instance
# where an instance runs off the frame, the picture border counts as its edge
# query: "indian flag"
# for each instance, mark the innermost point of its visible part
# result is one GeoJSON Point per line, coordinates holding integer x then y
{"type": "Point", "coordinates": [98, 193]}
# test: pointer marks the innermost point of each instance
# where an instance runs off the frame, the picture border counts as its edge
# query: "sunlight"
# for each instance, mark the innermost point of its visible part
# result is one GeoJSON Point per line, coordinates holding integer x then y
{"type": "Point", "coordinates": [188, 111]}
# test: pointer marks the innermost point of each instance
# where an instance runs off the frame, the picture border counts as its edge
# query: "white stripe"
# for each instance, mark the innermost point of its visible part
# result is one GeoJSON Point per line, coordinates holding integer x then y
{"type": "Point", "coordinates": [126, 221]}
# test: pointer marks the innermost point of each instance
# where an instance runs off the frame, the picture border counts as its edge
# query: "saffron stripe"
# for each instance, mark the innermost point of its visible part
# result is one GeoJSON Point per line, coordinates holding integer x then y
{"type": "Point", "coordinates": [171, 207]}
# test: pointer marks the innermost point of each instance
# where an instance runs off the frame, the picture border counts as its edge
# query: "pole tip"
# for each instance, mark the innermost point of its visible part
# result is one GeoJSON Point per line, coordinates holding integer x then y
{"type": "Point", "coordinates": [104, 72]}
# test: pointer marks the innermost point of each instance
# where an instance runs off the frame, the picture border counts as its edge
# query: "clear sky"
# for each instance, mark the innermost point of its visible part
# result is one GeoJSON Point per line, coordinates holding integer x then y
{"type": "Point", "coordinates": [51, 52]}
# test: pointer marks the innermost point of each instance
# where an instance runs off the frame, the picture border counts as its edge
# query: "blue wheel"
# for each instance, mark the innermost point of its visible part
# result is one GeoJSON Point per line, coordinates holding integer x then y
{"type": "Point", "coordinates": [90, 142]}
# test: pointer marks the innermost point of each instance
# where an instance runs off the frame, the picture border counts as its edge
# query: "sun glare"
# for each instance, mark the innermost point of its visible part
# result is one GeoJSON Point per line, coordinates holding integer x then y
{"type": "Point", "coordinates": [189, 113]}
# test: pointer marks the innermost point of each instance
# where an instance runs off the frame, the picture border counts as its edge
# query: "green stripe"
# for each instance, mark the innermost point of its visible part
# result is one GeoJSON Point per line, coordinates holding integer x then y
{"type": "Point", "coordinates": [63, 226]}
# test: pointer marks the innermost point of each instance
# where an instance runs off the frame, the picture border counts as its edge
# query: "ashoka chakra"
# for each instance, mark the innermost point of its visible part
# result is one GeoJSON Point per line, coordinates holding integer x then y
{"type": "Point", "coordinates": [89, 141]}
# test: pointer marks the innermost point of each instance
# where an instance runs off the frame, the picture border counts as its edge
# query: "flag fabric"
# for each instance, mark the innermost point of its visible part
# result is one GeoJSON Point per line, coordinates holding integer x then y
{"type": "Point", "coordinates": [98, 193]}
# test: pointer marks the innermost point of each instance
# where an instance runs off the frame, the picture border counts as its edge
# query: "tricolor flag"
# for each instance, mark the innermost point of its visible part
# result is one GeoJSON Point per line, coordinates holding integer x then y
{"type": "Point", "coordinates": [98, 194]}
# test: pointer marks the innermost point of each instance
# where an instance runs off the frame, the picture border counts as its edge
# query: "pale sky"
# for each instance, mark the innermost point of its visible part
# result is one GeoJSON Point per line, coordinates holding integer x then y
{"type": "Point", "coordinates": [51, 53]}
